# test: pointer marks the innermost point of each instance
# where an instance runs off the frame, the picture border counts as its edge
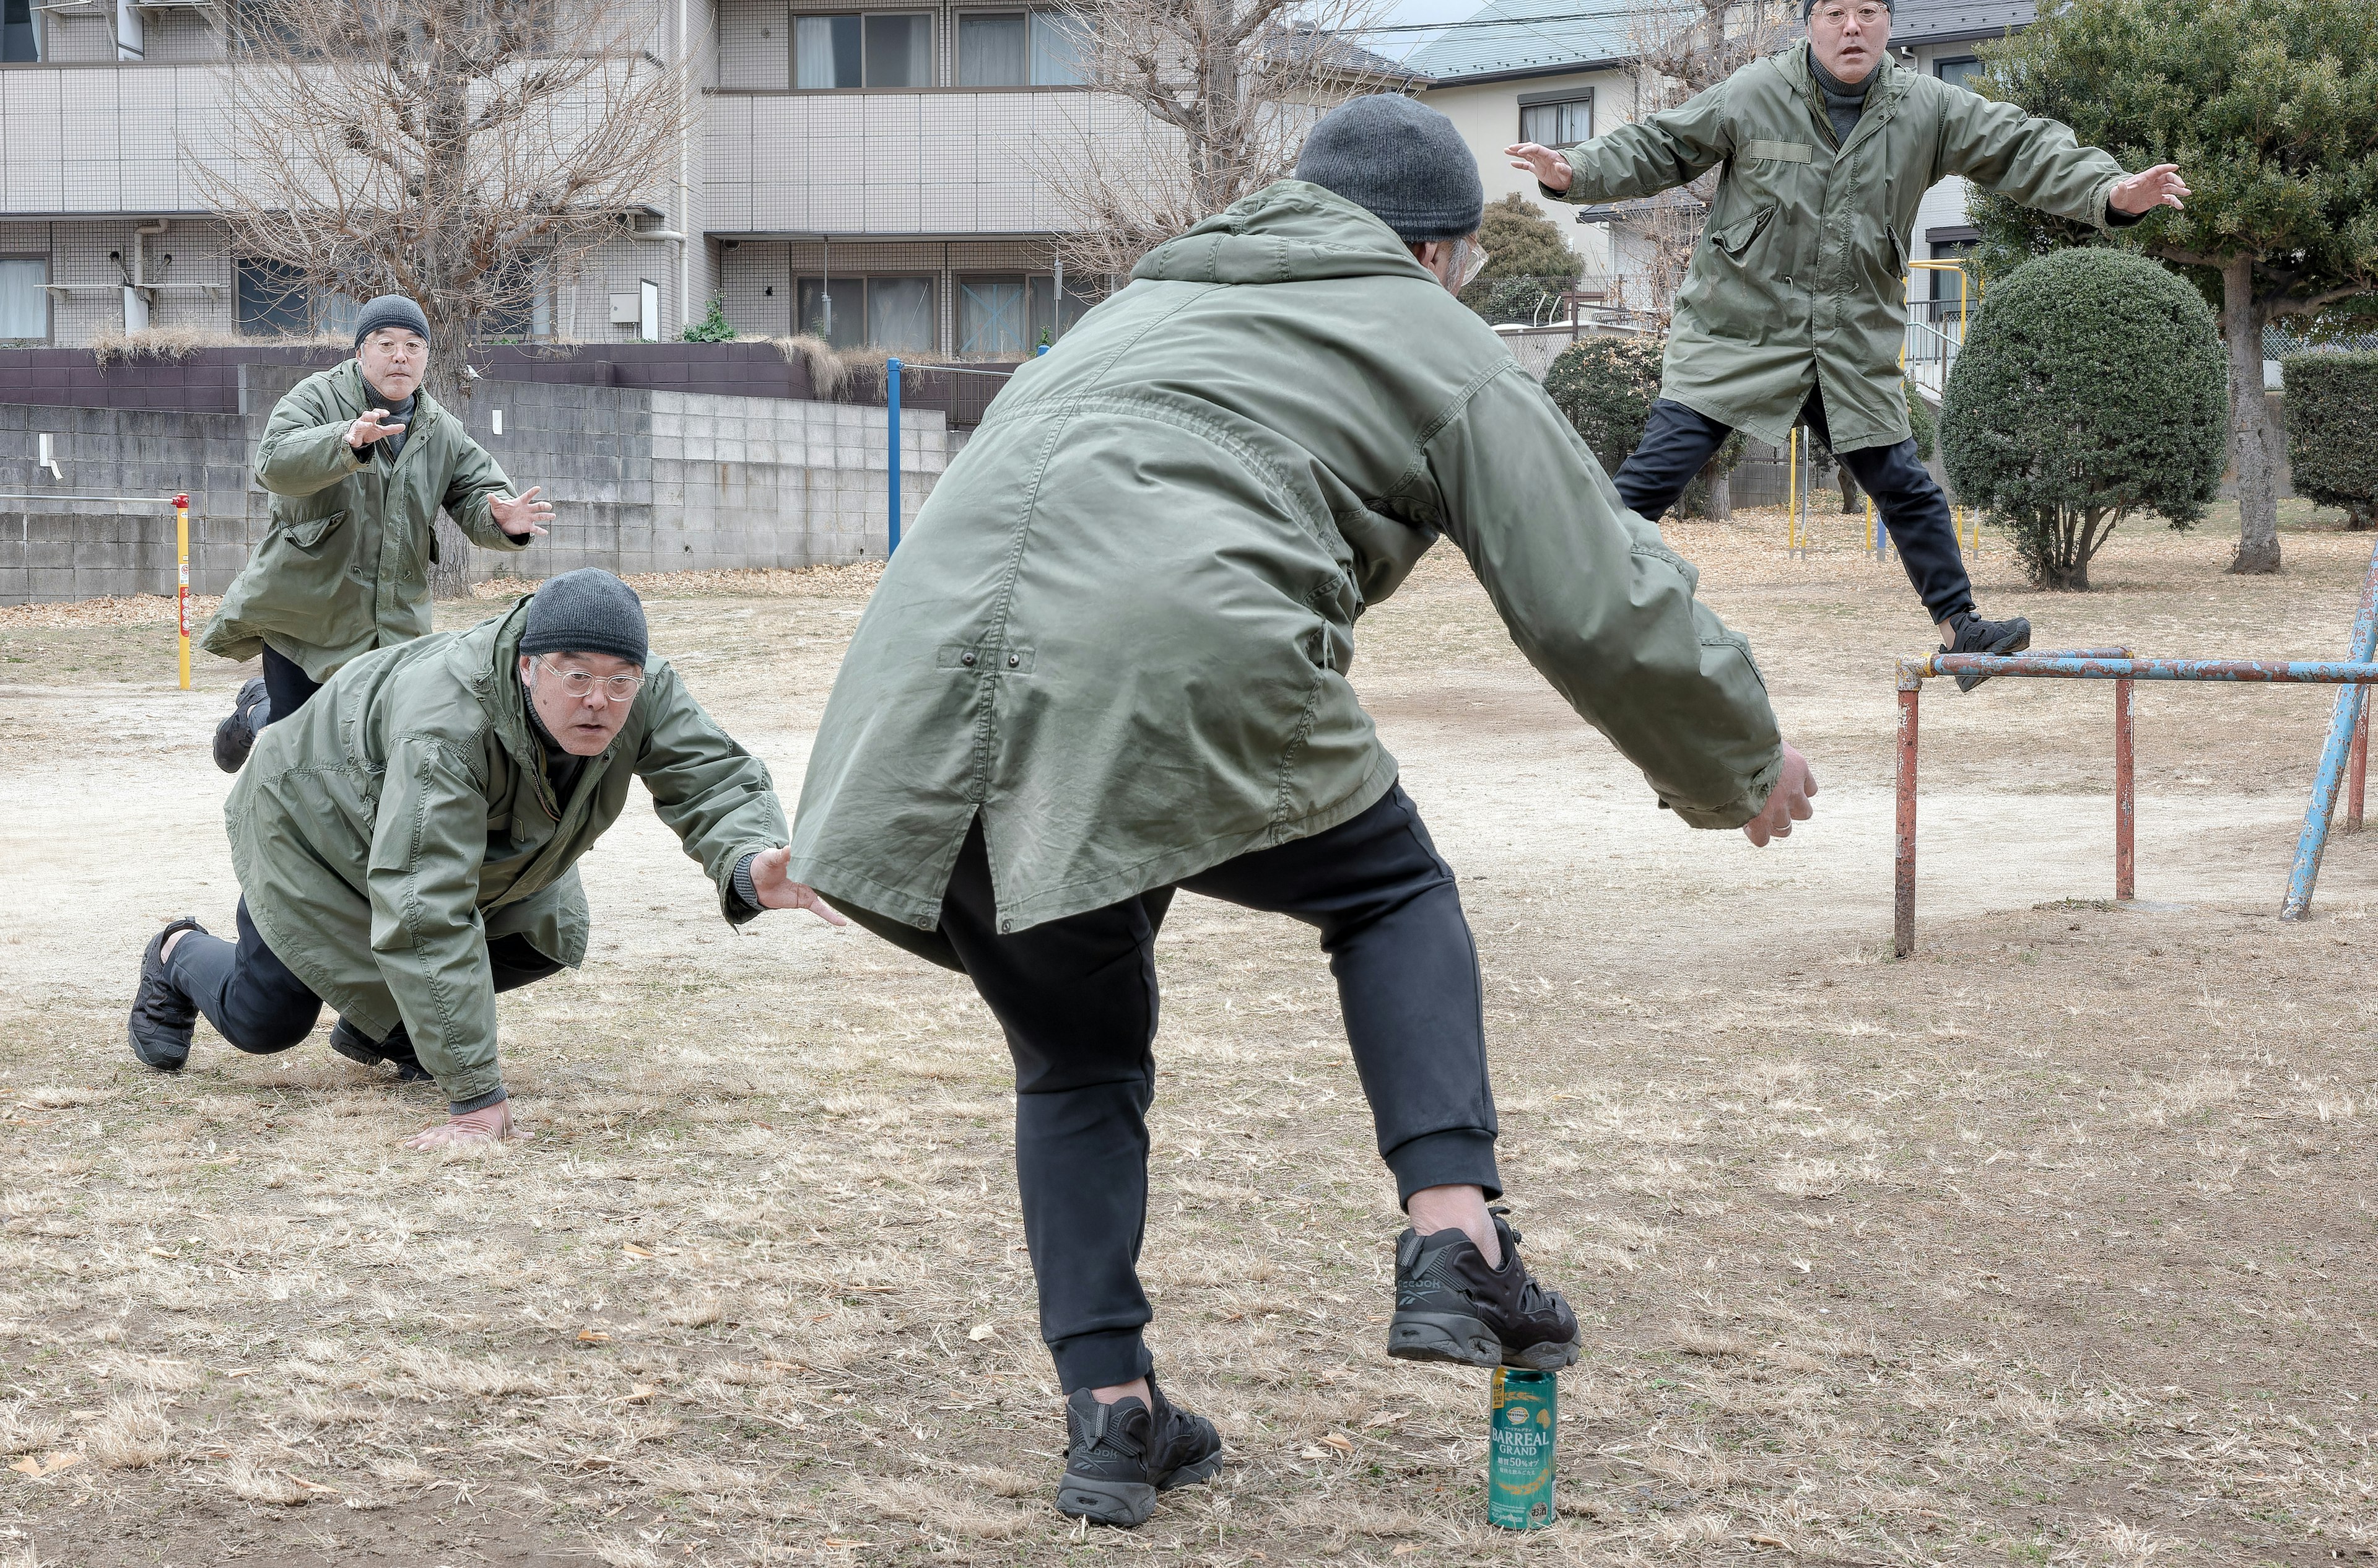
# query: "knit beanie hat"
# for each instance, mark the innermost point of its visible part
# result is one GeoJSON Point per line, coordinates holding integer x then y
{"type": "Point", "coordinates": [587, 611]}
{"type": "Point", "coordinates": [1807, 6]}
{"type": "Point", "coordinates": [1402, 161]}
{"type": "Point", "coordinates": [390, 310]}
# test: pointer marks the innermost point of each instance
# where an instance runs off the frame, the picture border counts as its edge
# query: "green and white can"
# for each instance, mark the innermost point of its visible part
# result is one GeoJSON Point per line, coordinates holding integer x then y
{"type": "Point", "coordinates": [1520, 1456]}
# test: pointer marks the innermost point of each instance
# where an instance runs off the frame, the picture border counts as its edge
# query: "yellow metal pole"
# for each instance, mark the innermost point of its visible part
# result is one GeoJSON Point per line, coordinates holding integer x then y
{"type": "Point", "coordinates": [182, 567]}
{"type": "Point", "coordinates": [1792, 496]}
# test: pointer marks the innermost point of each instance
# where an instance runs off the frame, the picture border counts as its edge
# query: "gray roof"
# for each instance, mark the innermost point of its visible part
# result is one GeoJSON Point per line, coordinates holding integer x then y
{"type": "Point", "coordinates": [1946, 21]}
{"type": "Point", "coordinates": [1525, 38]}
{"type": "Point", "coordinates": [1513, 38]}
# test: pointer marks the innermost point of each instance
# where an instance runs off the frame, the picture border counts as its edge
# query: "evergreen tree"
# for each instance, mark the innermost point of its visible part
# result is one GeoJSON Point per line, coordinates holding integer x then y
{"type": "Point", "coordinates": [1528, 265]}
{"type": "Point", "coordinates": [2270, 109]}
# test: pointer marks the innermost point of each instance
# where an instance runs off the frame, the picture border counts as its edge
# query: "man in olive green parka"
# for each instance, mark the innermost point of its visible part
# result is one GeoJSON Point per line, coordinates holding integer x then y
{"type": "Point", "coordinates": [1794, 307]}
{"type": "Point", "coordinates": [1110, 663]}
{"type": "Point", "coordinates": [358, 459]}
{"type": "Point", "coordinates": [407, 844]}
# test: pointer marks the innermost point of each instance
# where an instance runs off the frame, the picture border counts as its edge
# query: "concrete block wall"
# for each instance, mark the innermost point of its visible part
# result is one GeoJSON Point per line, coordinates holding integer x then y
{"type": "Point", "coordinates": [641, 481]}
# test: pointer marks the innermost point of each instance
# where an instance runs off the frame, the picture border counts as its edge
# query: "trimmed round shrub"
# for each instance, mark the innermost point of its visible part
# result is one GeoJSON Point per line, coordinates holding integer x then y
{"type": "Point", "coordinates": [2091, 386]}
{"type": "Point", "coordinates": [2333, 432]}
{"type": "Point", "coordinates": [1605, 386]}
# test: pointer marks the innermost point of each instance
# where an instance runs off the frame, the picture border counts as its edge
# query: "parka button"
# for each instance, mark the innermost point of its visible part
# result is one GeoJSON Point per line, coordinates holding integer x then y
{"type": "Point", "coordinates": [1013, 661]}
{"type": "Point", "coordinates": [966, 658]}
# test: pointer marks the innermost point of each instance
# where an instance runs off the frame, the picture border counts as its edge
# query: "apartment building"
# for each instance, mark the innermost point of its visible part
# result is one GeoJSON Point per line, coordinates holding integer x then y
{"type": "Point", "coordinates": [868, 172]}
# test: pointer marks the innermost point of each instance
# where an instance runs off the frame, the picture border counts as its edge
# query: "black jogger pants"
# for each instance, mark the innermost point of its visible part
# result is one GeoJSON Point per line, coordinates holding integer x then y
{"type": "Point", "coordinates": [257, 1004]}
{"type": "Point", "coordinates": [287, 685]}
{"type": "Point", "coordinates": [1678, 441]}
{"type": "Point", "coordinates": [1076, 998]}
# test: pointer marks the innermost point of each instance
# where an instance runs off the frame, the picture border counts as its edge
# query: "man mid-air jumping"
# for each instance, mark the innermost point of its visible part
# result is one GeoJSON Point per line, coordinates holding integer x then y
{"type": "Point", "coordinates": [1793, 308]}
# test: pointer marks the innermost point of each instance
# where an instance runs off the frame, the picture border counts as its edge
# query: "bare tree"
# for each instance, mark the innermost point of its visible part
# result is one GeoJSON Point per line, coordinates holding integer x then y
{"type": "Point", "coordinates": [469, 153]}
{"type": "Point", "coordinates": [1681, 48]}
{"type": "Point", "coordinates": [1227, 89]}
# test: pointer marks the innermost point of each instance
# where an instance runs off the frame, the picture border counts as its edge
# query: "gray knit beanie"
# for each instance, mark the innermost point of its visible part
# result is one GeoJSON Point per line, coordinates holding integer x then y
{"type": "Point", "coordinates": [1809, 7]}
{"type": "Point", "coordinates": [1402, 161]}
{"type": "Point", "coordinates": [587, 611]}
{"type": "Point", "coordinates": [390, 310]}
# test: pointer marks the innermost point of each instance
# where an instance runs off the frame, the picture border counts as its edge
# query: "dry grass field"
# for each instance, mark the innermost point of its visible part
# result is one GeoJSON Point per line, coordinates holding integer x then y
{"type": "Point", "coordinates": [2050, 1245]}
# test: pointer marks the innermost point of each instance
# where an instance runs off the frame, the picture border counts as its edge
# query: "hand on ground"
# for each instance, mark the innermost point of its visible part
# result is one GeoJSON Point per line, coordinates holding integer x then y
{"type": "Point", "coordinates": [471, 1129]}
{"type": "Point", "coordinates": [2149, 188]}
{"type": "Point", "coordinates": [1550, 168]}
{"type": "Point", "coordinates": [520, 517]}
{"type": "Point", "coordinates": [1787, 803]}
{"type": "Point", "coordinates": [369, 428]}
{"type": "Point", "coordinates": [778, 891]}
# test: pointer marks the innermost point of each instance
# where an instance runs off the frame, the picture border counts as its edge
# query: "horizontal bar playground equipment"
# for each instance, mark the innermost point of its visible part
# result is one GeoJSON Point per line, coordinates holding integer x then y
{"type": "Point", "coordinates": [2347, 750]}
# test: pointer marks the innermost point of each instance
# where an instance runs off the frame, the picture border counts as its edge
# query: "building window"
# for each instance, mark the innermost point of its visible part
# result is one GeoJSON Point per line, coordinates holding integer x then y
{"type": "Point", "coordinates": [1041, 321]}
{"type": "Point", "coordinates": [889, 49]}
{"type": "Point", "coordinates": [24, 300]}
{"type": "Point", "coordinates": [18, 43]}
{"type": "Point", "coordinates": [882, 313]}
{"type": "Point", "coordinates": [1019, 49]}
{"type": "Point", "coordinates": [990, 316]}
{"type": "Point", "coordinates": [1958, 72]}
{"type": "Point", "coordinates": [274, 300]}
{"type": "Point", "coordinates": [1562, 122]}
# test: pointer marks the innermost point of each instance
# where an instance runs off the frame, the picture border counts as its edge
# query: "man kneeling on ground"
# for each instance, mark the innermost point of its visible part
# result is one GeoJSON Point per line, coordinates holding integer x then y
{"type": "Point", "coordinates": [1109, 664]}
{"type": "Point", "coordinates": [407, 844]}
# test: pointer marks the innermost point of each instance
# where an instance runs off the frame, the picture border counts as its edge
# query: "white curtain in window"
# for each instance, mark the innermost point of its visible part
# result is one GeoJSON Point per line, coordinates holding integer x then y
{"type": "Point", "coordinates": [1056, 50]}
{"type": "Point", "coordinates": [813, 51]}
{"type": "Point", "coordinates": [24, 308]}
{"type": "Point", "coordinates": [1558, 125]}
{"type": "Point", "coordinates": [900, 313]}
{"type": "Point", "coordinates": [992, 51]}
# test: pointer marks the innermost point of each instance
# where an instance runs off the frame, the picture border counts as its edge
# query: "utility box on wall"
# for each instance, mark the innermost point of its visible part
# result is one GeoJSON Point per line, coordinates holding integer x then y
{"type": "Point", "coordinates": [626, 310]}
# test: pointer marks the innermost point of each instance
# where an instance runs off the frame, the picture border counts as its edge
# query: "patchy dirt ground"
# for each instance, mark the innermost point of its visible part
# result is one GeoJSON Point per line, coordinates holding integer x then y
{"type": "Point", "coordinates": [2046, 1246]}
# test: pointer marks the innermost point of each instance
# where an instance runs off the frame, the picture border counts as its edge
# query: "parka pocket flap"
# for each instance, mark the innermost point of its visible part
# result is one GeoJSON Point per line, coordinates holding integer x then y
{"type": "Point", "coordinates": [1782, 151]}
{"type": "Point", "coordinates": [308, 533]}
{"type": "Point", "coordinates": [1735, 237]}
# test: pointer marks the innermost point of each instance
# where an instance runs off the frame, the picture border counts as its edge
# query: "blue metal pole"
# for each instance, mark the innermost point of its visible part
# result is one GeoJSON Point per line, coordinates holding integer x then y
{"type": "Point", "coordinates": [2089, 666]}
{"type": "Point", "coordinates": [2314, 841]}
{"type": "Point", "coordinates": [891, 406]}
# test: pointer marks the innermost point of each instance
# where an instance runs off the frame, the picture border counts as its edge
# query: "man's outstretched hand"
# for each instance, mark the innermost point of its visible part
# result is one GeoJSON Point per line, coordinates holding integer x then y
{"type": "Point", "coordinates": [520, 517]}
{"type": "Point", "coordinates": [778, 891]}
{"type": "Point", "coordinates": [2148, 189]}
{"type": "Point", "coordinates": [472, 1128]}
{"type": "Point", "coordinates": [1550, 168]}
{"type": "Point", "coordinates": [1787, 803]}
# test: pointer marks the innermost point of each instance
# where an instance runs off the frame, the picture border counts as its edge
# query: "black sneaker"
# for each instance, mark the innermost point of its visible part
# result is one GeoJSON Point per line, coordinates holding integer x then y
{"type": "Point", "coordinates": [1451, 1307]}
{"type": "Point", "coordinates": [397, 1050]}
{"type": "Point", "coordinates": [1976, 635]}
{"type": "Point", "coordinates": [162, 1016]}
{"type": "Point", "coordinates": [235, 737]}
{"type": "Point", "coordinates": [1119, 1456]}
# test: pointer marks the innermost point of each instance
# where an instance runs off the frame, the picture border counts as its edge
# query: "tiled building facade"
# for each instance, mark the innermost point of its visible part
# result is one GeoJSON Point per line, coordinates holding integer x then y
{"type": "Point", "coordinates": [857, 168]}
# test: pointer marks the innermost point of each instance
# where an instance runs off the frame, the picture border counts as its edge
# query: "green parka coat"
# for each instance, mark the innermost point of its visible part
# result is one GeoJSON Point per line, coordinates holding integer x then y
{"type": "Point", "coordinates": [1798, 280]}
{"type": "Point", "coordinates": [1120, 629]}
{"type": "Point", "coordinates": [343, 567]}
{"type": "Point", "coordinates": [403, 818]}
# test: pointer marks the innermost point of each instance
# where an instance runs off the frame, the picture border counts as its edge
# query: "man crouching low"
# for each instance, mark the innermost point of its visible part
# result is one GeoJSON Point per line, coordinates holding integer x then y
{"type": "Point", "coordinates": [407, 844]}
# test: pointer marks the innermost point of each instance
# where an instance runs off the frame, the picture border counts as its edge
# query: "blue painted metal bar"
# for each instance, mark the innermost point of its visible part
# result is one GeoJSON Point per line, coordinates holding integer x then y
{"type": "Point", "coordinates": [2313, 672]}
{"type": "Point", "coordinates": [2312, 842]}
{"type": "Point", "coordinates": [892, 405]}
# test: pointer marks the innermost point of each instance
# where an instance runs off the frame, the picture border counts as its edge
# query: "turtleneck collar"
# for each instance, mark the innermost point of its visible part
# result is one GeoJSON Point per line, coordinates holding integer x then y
{"type": "Point", "coordinates": [1832, 86]}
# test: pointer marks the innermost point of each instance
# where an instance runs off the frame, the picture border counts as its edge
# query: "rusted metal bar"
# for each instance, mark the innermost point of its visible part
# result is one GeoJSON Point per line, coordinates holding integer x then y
{"type": "Point", "coordinates": [2126, 802]}
{"type": "Point", "coordinates": [2306, 672]}
{"type": "Point", "coordinates": [1902, 891]}
{"type": "Point", "coordinates": [2359, 771]}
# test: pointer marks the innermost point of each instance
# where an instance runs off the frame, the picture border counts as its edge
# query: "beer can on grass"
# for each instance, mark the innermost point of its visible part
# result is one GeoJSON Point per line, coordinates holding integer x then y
{"type": "Point", "coordinates": [1520, 1457]}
